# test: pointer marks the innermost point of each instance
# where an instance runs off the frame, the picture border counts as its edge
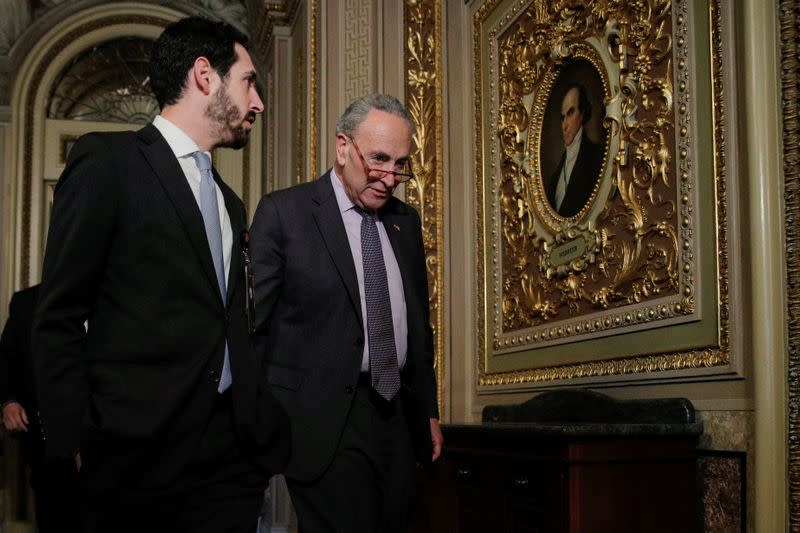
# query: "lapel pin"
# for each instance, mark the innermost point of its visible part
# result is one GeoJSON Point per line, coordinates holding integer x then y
{"type": "Point", "coordinates": [396, 227]}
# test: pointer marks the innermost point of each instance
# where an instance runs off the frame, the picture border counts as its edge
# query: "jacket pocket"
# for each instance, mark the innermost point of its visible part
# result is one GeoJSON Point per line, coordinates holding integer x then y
{"type": "Point", "coordinates": [285, 377]}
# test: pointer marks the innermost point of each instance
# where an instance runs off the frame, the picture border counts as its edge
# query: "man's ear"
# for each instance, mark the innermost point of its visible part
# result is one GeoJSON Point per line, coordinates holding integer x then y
{"type": "Point", "coordinates": [341, 148]}
{"type": "Point", "coordinates": [202, 74]}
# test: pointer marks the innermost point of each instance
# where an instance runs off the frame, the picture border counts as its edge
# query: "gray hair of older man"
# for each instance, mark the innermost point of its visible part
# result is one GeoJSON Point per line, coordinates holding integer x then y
{"type": "Point", "coordinates": [357, 111]}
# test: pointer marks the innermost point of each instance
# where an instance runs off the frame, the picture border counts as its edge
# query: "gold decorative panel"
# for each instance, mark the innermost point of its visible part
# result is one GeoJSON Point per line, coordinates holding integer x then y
{"type": "Point", "coordinates": [789, 14]}
{"type": "Point", "coordinates": [300, 97]}
{"type": "Point", "coordinates": [312, 89]}
{"type": "Point", "coordinates": [588, 254]}
{"type": "Point", "coordinates": [423, 89]}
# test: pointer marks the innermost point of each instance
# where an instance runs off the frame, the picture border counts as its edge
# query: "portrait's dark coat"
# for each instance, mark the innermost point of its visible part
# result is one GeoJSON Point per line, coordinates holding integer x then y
{"type": "Point", "coordinates": [585, 175]}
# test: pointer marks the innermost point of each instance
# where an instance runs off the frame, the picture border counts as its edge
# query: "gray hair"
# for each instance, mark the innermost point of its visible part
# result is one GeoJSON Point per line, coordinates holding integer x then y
{"type": "Point", "coordinates": [357, 111]}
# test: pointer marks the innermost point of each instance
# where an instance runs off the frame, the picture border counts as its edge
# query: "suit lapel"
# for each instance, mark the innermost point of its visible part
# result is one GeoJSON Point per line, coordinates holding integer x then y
{"type": "Point", "coordinates": [166, 167]}
{"type": "Point", "coordinates": [329, 222]}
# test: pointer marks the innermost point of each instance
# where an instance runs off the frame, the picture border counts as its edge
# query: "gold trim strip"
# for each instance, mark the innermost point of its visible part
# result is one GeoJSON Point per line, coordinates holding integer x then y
{"type": "Point", "coordinates": [720, 177]}
{"type": "Point", "coordinates": [312, 93]}
{"type": "Point", "coordinates": [789, 20]}
{"type": "Point", "coordinates": [268, 122]}
{"type": "Point", "coordinates": [423, 89]}
{"type": "Point", "coordinates": [299, 76]}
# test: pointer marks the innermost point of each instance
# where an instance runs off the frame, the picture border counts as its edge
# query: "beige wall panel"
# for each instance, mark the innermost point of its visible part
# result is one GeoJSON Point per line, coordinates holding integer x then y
{"type": "Point", "coordinates": [284, 121]}
{"type": "Point", "coordinates": [460, 239]}
{"type": "Point", "coordinates": [358, 35]}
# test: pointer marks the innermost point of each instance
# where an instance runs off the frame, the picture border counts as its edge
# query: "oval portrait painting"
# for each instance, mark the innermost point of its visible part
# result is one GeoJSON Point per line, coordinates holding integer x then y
{"type": "Point", "coordinates": [573, 140]}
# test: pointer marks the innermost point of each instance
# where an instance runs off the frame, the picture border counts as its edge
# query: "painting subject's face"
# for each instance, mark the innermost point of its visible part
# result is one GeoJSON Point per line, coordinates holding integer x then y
{"type": "Point", "coordinates": [236, 102]}
{"type": "Point", "coordinates": [571, 117]}
{"type": "Point", "coordinates": [385, 142]}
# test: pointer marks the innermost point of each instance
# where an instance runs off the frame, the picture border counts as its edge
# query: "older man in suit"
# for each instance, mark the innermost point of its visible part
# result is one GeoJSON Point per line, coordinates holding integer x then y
{"type": "Point", "coordinates": [342, 302]}
{"type": "Point", "coordinates": [573, 182]}
{"type": "Point", "coordinates": [160, 402]}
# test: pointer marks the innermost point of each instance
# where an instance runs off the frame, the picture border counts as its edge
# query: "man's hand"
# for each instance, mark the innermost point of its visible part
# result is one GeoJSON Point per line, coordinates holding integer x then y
{"type": "Point", "coordinates": [14, 417]}
{"type": "Point", "coordinates": [77, 457]}
{"type": "Point", "coordinates": [436, 439]}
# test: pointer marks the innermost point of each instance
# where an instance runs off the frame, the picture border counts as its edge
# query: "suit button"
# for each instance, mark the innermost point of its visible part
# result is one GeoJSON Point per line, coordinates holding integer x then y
{"type": "Point", "coordinates": [214, 376]}
{"type": "Point", "coordinates": [349, 389]}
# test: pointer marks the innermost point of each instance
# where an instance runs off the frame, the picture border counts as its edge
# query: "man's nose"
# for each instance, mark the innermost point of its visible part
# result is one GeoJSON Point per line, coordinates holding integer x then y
{"type": "Point", "coordinates": [255, 102]}
{"type": "Point", "coordinates": [389, 180]}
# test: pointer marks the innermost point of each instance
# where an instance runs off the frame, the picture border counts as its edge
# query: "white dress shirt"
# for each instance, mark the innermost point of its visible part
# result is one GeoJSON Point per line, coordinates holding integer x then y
{"type": "Point", "coordinates": [183, 147]}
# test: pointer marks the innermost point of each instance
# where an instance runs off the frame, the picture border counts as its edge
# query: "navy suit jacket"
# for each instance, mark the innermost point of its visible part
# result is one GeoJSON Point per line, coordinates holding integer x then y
{"type": "Point", "coordinates": [309, 310]}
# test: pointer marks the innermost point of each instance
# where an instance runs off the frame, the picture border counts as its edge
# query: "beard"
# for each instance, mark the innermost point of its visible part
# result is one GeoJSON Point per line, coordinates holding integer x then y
{"type": "Point", "coordinates": [229, 121]}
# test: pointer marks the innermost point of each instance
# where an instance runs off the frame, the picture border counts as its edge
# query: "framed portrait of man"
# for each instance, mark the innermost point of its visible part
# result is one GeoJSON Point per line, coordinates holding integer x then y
{"type": "Point", "coordinates": [574, 139]}
{"type": "Point", "coordinates": [602, 238]}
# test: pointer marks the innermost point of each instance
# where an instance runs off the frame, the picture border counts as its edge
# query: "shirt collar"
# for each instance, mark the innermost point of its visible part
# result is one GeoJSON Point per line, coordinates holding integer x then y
{"type": "Point", "coordinates": [572, 149]}
{"type": "Point", "coordinates": [179, 142]}
{"type": "Point", "coordinates": [344, 201]}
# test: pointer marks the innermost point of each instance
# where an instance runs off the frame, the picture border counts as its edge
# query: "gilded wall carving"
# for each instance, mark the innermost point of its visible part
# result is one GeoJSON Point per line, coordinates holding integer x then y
{"type": "Point", "coordinates": [269, 131]}
{"type": "Point", "coordinates": [423, 87]}
{"type": "Point", "coordinates": [789, 13]}
{"type": "Point", "coordinates": [300, 97]}
{"type": "Point", "coordinates": [624, 256]}
{"type": "Point", "coordinates": [312, 90]}
{"type": "Point", "coordinates": [629, 252]}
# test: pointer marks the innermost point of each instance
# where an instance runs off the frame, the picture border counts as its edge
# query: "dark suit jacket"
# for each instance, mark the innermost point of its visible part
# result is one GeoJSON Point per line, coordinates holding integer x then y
{"type": "Point", "coordinates": [127, 250]}
{"type": "Point", "coordinates": [308, 307]}
{"type": "Point", "coordinates": [585, 174]}
{"type": "Point", "coordinates": [16, 360]}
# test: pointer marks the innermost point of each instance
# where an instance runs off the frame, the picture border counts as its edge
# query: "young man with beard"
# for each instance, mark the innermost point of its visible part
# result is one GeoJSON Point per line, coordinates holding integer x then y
{"type": "Point", "coordinates": [160, 401]}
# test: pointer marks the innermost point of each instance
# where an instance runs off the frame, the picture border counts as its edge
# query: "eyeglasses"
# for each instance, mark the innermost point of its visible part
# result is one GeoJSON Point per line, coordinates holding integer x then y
{"type": "Point", "coordinates": [379, 173]}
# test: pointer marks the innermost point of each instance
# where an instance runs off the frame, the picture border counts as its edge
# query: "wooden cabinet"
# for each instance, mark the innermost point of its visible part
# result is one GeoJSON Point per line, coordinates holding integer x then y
{"type": "Point", "coordinates": [564, 478]}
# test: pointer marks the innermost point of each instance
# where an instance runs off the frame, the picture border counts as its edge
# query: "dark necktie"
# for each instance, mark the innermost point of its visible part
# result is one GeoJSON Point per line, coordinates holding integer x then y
{"type": "Point", "coordinates": [210, 211]}
{"type": "Point", "coordinates": [380, 326]}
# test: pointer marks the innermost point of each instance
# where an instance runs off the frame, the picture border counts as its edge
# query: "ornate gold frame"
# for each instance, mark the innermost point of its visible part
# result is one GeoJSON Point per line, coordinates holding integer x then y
{"type": "Point", "coordinates": [789, 15]}
{"type": "Point", "coordinates": [423, 89]}
{"type": "Point", "coordinates": [713, 350]}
